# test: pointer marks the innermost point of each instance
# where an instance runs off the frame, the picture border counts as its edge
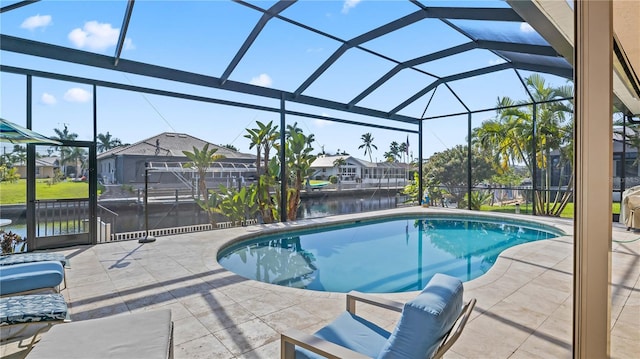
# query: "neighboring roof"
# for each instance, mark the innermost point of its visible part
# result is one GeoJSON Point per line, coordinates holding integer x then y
{"type": "Point", "coordinates": [170, 144]}
{"type": "Point", "coordinates": [43, 162]}
{"type": "Point", "coordinates": [326, 161]}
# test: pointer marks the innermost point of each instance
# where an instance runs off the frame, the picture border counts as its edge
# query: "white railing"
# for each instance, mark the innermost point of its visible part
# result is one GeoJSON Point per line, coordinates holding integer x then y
{"type": "Point", "coordinates": [174, 230]}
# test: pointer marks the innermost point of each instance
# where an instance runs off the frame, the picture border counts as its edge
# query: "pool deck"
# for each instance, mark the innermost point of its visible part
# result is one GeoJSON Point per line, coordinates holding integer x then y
{"type": "Point", "coordinates": [524, 307]}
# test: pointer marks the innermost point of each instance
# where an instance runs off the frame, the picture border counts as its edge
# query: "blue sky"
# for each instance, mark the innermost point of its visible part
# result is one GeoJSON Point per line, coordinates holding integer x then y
{"type": "Point", "coordinates": [203, 37]}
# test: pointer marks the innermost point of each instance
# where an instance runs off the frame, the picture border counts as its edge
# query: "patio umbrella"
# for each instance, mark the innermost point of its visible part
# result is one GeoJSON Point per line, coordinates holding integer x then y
{"type": "Point", "coordinates": [10, 132]}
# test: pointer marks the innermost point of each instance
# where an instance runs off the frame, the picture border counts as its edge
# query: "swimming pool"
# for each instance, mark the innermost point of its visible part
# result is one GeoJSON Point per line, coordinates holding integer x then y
{"type": "Point", "coordinates": [382, 256]}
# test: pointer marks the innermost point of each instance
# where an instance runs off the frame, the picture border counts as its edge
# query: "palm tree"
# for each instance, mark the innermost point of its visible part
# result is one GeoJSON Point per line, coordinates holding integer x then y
{"type": "Point", "coordinates": [19, 154]}
{"type": "Point", "coordinates": [64, 135]}
{"type": "Point", "coordinates": [394, 149]}
{"type": "Point", "coordinates": [389, 156]}
{"type": "Point", "coordinates": [263, 138]}
{"type": "Point", "coordinates": [255, 137]}
{"type": "Point", "coordinates": [402, 150]}
{"type": "Point", "coordinates": [107, 142]}
{"type": "Point", "coordinates": [367, 143]}
{"type": "Point", "coordinates": [78, 157]}
{"type": "Point", "coordinates": [508, 137]}
{"type": "Point", "coordinates": [339, 162]}
{"type": "Point", "coordinates": [299, 159]}
{"type": "Point", "coordinates": [201, 160]}
{"type": "Point", "coordinates": [231, 147]}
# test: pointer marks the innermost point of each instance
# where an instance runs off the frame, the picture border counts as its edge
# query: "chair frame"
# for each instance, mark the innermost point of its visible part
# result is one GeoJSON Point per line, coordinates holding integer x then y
{"type": "Point", "coordinates": [293, 337]}
{"type": "Point", "coordinates": [45, 327]}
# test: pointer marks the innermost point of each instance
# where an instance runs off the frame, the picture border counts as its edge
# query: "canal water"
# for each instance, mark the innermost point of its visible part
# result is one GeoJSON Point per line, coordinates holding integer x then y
{"type": "Point", "coordinates": [133, 219]}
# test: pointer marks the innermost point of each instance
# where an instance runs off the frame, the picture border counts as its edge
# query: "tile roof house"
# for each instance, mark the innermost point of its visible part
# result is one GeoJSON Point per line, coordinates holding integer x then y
{"type": "Point", "coordinates": [126, 164]}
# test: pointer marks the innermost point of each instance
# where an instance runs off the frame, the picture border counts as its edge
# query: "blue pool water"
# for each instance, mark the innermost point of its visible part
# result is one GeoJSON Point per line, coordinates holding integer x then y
{"type": "Point", "coordinates": [395, 255]}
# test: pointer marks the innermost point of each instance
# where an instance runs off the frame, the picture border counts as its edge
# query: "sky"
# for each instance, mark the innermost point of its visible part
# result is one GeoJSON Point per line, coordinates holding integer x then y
{"type": "Point", "coordinates": [203, 37]}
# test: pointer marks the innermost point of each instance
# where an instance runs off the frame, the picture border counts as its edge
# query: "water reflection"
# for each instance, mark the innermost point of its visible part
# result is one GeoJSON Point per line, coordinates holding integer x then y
{"type": "Point", "coordinates": [393, 256]}
{"type": "Point", "coordinates": [131, 218]}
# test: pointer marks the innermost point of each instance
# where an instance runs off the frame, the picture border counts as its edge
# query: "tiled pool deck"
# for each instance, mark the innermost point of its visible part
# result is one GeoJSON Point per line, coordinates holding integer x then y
{"type": "Point", "coordinates": [523, 309]}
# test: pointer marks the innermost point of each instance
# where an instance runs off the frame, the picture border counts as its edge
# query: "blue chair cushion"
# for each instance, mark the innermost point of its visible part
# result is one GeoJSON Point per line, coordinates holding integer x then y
{"type": "Point", "coordinates": [33, 308]}
{"type": "Point", "coordinates": [425, 320]}
{"type": "Point", "coordinates": [30, 276]}
{"type": "Point", "coordinates": [350, 331]}
{"type": "Point", "coordinates": [19, 258]}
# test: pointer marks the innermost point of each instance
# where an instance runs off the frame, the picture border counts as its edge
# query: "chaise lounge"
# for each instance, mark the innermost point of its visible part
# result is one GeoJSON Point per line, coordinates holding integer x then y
{"type": "Point", "coordinates": [147, 335]}
{"type": "Point", "coordinates": [28, 311]}
{"type": "Point", "coordinates": [32, 277]}
{"type": "Point", "coordinates": [425, 329]}
{"type": "Point", "coordinates": [19, 258]}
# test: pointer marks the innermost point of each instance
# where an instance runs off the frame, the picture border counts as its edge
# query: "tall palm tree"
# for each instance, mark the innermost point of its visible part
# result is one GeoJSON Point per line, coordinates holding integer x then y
{"type": "Point", "coordinates": [263, 138]}
{"type": "Point", "coordinates": [367, 144]}
{"type": "Point", "coordinates": [394, 149]}
{"type": "Point", "coordinates": [402, 150]}
{"type": "Point", "coordinates": [64, 135]}
{"type": "Point", "coordinates": [107, 142]}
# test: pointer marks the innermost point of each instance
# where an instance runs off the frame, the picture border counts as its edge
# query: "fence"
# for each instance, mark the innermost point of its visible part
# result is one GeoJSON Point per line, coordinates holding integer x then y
{"type": "Point", "coordinates": [174, 230]}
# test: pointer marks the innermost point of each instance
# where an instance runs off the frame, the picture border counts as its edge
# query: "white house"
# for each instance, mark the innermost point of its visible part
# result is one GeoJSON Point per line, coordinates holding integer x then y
{"type": "Point", "coordinates": [357, 170]}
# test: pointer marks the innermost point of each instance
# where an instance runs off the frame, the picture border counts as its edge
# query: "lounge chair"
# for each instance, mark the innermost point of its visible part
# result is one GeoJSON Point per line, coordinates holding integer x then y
{"type": "Point", "coordinates": [34, 277]}
{"type": "Point", "coordinates": [18, 258]}
{"type": "Point", "coordinates": [147, 335]}
{"type": "Point", "coordinates": [23, 311]}
{"type": "Point", "coordinates": [425, 329]}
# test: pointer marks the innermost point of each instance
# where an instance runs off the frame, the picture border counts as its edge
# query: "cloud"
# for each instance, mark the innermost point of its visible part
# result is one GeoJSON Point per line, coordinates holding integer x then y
{"type": "Point", "coordinates": [322, 123]}
{"type": "Point", "coordinates": [348, 5]}
{"type": "Point", "coordinates": [315, 49]}
{"type": "Point", "coordinates": [128, 44]}
{"type": "Point", "coordinates": [497, 61]}
{"type": "Point", "coordinates": [48, 99]}
{"type": "Point", "coordinates": [97, 36]}
{"type": "Point", "coordinates": [262, 80]}
{"type": "Point", "coordinates": [34, 22]}
{"type": "Point", "coordinates": [524, 27]}
{"type": "Point", "coordinates": [77, 95]}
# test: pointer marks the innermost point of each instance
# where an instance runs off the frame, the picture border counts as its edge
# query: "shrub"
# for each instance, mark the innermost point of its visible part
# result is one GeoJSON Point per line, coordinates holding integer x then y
{"type": "Point", "coordinates": [9, 174]}
{"type": "Point", "coordinates": [9, 241]}
{"type": "Point", "coordinates": [333, 179]}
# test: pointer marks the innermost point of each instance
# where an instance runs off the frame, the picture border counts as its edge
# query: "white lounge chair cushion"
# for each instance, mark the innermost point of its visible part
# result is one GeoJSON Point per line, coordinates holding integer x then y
{"type": "Point", "coordinates": [425, 320]}
{"type": "Point", "coordinates": [141, 335]}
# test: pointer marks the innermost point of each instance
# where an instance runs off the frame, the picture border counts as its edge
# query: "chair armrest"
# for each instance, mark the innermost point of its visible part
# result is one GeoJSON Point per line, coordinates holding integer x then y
{"type": "Point", "coordinates": [456, 330]}
{"type": "Point", "coordinates": [353, 297]}
{"type": "Point", "coordinates": [292, 338]}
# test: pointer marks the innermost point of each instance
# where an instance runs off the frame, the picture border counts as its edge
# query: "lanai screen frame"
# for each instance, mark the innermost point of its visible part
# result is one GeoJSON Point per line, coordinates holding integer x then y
{"type": "Point", "coordinates": [443, 14]}
{"type": "Point", "coordinates": [589, 15]}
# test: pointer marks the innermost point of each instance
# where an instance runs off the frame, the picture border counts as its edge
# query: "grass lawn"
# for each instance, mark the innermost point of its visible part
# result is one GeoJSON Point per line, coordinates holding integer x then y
{"type": "Point", "coordinates": [15, 193]}
{"type": "Point", "coordinates": [566, 213]}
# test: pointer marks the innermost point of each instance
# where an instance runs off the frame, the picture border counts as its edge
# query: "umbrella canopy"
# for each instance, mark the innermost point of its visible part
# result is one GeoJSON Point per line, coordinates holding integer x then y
{"type": "Point", "coordinates": [10, 132]}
